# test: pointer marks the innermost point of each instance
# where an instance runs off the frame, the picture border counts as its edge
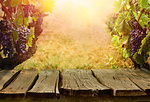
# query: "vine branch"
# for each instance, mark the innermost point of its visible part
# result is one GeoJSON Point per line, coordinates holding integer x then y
{"type": "Point", "coordinates": [139, 17]}
{"type": "Point", "coordinates": [8, 13]}
{"type": "Point", "coordinates": [22, 14]}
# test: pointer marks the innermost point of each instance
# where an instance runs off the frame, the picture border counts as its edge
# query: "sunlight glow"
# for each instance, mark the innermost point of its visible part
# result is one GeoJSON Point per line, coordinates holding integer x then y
{"type": "Point", "coordinates": [79, 17]}
{"type": "Point", "coordinates": [85, 8]}
{"type": "Point", "coordinates": [47, 5]}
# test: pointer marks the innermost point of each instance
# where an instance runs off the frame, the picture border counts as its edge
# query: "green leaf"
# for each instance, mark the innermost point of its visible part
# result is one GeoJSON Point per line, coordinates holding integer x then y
{"type": "Point", "coordinates": [19, 20]}
{"type": "Point", "coordinates": [143, 20]}
{"type": "Point", "coordinates": [30, 37]}
{"type": "Point", "coordinates": [144, 3]}
{"type": "Point", "coordinates": [16, 3]}
{"type": "Point", "coordinates": [126, 54]}
{"type": "Point", "coordinates": [116, 40]}
{"type": "Point", "coordinates": [114, 67]}
{"type": "Point", "coordinates": [124, 28]}
{"type": "Point", "coordinates": [34, 18]}
{"type": "Point", "coordinates": [135, 15]}
{"type": "Point", "coordinates": [145, 47]}
{"type": "Point", "coordinates": [117, 5]}
{"type": "Point", "coordinates": [128, 3]}
{"type": "Point", "coordinates": [120, 18]}
{"type": "Point", "coordinates": [138, 58]}
{"type": "Point", "coordinates": [125, 38]}
{"type": "Point", "coordinates": [26, 21]}
{"type": "Point", "coordinates": [141, 56]}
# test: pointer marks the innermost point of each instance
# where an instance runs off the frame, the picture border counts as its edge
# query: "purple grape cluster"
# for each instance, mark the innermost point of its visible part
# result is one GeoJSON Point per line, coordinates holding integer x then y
{"type": "Point", "coordinates": [6, 42]}
{"type": "Point", "coordinates": [136, 38]}
{"type": "Point", "coordinates": [22, 38]}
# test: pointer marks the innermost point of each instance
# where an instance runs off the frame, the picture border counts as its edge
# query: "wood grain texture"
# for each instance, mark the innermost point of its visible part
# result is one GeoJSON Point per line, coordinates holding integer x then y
{"type": "Point", "coordinates": [47, 82]}
{"type": "Point", "coordinates": [140, 78]}
{"type": "Point", "coordinates": [82, 83]}
{"type": "Point", "coordinates": [22, 83]}
{"type": "Point", "coordinates": [6, 76]}
{"type": "Point", "coordinates": [118, 81]}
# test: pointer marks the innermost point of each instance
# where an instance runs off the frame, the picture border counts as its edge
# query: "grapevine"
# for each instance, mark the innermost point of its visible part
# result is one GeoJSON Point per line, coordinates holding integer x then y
{"type": "Point", "coordinates": [130, 23]}
{"type": "Point", "coordinates": [20, 26]}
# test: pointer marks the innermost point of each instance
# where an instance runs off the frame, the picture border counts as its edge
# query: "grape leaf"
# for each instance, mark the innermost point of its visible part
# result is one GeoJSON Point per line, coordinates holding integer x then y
{"type": "Point", "coordinates": [26, 21]}
{"type": "Point", "coordinates": [128, 3]}
{"type": "Point", "coordinates": [117, 5]}
{"type": "Point", "coordinates": [135, 15]}
{"type": "Point", "coordinates": [124, 28]}
{"type": "Point", "coordinates": [118, 20]}
{"type": "Point", "coordinates": [143, 20]}
{"type": "Point", "coordinates": [30, 37]}
{"type": "Point", "coordinates": [34, 18]}
{"type": "Point", "coordinates": [144, 3]}
{"type": "Point", "coordinates": [19, 20]}
{"type": "Point", "coordinates": [116, 40]}
{"type": "Point", "coordinates": [145, 47]}
{"type": "Point", "coordinates": [125, 53]}
{"type": "Point", "coordinates": [125, 38]}
{"type": "Point", "coordinates": [138, 58]}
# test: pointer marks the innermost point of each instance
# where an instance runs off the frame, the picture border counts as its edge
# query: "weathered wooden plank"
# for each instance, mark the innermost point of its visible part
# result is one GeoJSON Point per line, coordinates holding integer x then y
{"type": "Point", "coordinates": [81, 82]}
{"type": "Point", "coordinates": [118, 81]}
{"type": "Point", "coordinates": [140, 78]}
{"type": "Point", "coordinates": [22, 83]}
{"type": "Point", "coordinates": [6, 76]}
{"type": "Point", "coordinates": [57, 84]}
{"type": "Point", "coordinates": [47, 83]}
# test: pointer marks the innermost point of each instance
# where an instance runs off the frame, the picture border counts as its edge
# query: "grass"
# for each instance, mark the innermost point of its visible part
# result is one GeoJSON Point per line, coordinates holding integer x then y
{"type": "Point", "coordinates": [59, 51]}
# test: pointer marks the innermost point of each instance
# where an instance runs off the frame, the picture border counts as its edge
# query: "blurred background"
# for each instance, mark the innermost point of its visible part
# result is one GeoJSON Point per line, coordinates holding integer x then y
{"type": "Point", "coordinates": [81, 19]}
{"type": "Point", "coordinates": [74, 36]}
